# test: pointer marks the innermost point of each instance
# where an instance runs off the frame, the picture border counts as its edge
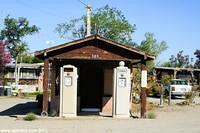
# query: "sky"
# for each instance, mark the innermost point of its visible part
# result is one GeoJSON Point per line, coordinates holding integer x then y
{"type": "Point", "coordinates": [175, 21]}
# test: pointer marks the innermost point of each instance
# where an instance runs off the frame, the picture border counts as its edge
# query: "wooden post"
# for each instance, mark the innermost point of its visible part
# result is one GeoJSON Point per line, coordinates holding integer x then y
{"type": "Point", "coordinates": [192, 77]}
{"type": "Point", "coordinates": [175, 72]}
{"type": "Point", "coordinates": [198, 79]}
{"type": "Point", "coordinates": [143, 88]}
{"type": "Point", "coordinates": [45, 87]}
{"type": "Point", "coordinates": [53, 86]}
{"type": "Point", "coordinates": [131, 92]}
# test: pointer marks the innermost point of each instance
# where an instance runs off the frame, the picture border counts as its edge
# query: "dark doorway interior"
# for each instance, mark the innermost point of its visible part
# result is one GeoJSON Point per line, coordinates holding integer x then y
{"type": "Point", "coordinates": [91, 83]}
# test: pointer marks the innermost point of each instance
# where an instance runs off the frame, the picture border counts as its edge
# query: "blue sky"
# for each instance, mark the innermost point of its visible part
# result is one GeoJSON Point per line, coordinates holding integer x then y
{"type": "Point", "coordinates": [175, 21]}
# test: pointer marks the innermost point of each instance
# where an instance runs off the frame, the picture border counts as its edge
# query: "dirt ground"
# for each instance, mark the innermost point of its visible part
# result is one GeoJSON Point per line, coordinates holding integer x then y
{"type": "Point", "coordinates": [170, 119]}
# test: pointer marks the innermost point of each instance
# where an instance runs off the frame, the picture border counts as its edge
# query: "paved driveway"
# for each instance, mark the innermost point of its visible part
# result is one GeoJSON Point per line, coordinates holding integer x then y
{"type": "Point", "coordinates": [13, 106]}
{"type": "Point", "coordinates": [171, 119]}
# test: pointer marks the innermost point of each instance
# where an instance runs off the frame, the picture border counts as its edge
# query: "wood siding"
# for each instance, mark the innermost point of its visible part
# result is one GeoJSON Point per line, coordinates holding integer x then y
{"type": "Point", "coordinates": [90, 52]}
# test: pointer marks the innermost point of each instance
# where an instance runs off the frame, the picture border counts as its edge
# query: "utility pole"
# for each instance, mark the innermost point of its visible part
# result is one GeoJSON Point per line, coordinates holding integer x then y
{"type": "Point", "coordinates": [18, 72]}
{"type": "Point", "coordinates": [15, 74]}
{"type": "Point", "coordinates": [89, 7]}
{"type": "Point", "coordinates": [88, 19]}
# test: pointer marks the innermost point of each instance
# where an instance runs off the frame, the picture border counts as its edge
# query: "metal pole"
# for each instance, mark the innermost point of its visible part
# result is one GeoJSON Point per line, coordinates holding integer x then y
{"type": "Point", "coordinates": [170, 94]}
{"type": "Point", "coordinates": [114, 94]}
{"type": "Point", "coordinates": [161, 96]}
{"type": "Point", "coordinates": [15, 74]}
{"type": "Point", "coordinates": [18, 73]}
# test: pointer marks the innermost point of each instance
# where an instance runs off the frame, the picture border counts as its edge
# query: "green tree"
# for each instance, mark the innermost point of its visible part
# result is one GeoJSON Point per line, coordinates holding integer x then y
{"type": "Point", "coordinates": [106, 21]}
{"type": "Point", "coordinates": [197, 62]}
{"type": "Point", "coordinates": [14, 31]}
{"type": "Point", "coordinates": [28, 58]}
{"type": "Point", "coordinates": [166, 64]}
{"type": "Point", "coordinates": [112, 24]}
{"type": "Point", "coordinates": [150, 45]}
{"type": "Point", "coordinates": [12, 34]}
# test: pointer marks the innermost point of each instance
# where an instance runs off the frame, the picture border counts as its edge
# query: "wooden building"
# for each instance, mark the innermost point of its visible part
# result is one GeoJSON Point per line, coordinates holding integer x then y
{"type": "Point", "coordinates": [30, 76]}
{"type": "Point", "coordinates": [95, 57]}
{"type": "Point", "coordinates": [190, 74]}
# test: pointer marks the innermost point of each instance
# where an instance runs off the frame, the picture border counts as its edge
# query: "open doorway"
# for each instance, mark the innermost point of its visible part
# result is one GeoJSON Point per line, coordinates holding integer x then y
{"type": "Point", "coordinates": [91, 89]}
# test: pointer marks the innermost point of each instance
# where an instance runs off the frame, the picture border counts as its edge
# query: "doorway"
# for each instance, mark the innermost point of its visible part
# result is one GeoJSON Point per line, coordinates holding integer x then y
{"type": "Point", "coordinates": [91, 88]}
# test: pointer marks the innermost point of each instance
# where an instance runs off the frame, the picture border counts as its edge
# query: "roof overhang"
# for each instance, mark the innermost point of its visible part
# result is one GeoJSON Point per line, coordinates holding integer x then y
{"type": "Point", "coordinates": [43, 53]}
{"type": "Point", "coordinates": [177, 69]}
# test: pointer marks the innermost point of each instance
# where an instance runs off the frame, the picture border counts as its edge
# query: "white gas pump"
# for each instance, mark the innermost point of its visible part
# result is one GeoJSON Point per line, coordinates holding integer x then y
{"type": "Point", "coordinates": [68, 91]}
{"type": "Point", "coordinates": [121, 91]}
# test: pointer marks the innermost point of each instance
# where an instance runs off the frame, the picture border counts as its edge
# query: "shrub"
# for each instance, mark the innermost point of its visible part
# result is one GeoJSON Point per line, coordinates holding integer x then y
{"type": "Point", "coordinates": [190, 97]}
{"type": "Point", "coordinates": [151, 115]}
{"type": "Point", "coordinates": [37, 93]}
{"type": "Point", "coordinates": [30, 117]}
{"type": "Point", "coordinates": [39, 98]}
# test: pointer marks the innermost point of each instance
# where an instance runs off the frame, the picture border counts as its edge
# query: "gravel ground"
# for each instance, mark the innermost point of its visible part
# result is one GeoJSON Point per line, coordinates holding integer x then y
{"type": "Point", "coordinates": [170, 119]}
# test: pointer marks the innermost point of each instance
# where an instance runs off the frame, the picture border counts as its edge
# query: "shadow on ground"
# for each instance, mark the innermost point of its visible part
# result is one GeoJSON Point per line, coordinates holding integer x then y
{"type": "Point", "coordinates": [21, 109]}
{"type": "Point", "coordinates": [173, 97]}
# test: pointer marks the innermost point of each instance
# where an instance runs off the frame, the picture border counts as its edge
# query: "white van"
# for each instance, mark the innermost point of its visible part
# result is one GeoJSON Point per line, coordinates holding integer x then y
{"type": "Point", "coordinates": [179, 87]}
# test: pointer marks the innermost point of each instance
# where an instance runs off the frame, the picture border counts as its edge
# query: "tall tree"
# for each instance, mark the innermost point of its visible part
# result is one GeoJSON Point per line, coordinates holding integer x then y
{"type": "Point", "coordinates": [112, 24]}
{"type": "Point", "coordinates": [14, 31]}
{"type": "Point", "coordinates": [106, 21]}
{"type": "Point", "coordinates": [150, 45]}
{"type": "Point", "coordinates": [12, 34]}
{"type": "Point", "coordinates": [197, 62]}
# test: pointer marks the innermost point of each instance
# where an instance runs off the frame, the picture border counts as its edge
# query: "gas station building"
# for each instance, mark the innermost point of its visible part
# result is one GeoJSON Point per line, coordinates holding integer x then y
{"type": "Point", "coordinates": [90, 75]}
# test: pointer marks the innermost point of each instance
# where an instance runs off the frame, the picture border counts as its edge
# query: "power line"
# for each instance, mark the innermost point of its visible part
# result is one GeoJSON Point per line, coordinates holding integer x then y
{"type": "Point", "coordinates": [39, 9]}
{"type": "Point", "coordinates": [86, 5]}
{"type": "Point", "coordinates": [82, 3]}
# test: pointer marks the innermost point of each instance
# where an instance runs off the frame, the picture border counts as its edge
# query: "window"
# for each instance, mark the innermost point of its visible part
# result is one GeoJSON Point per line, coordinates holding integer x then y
{"type": "Point", "coordinates": [179, 82]}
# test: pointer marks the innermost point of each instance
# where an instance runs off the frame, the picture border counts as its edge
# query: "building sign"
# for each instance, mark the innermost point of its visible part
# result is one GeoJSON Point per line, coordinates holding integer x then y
{"type": "Point", "coordinates": [144, 78]}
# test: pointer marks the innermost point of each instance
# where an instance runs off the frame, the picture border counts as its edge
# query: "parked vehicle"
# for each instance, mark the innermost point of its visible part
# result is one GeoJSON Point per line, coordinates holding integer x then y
{"type": "Point", "coordinates": [179, 87]}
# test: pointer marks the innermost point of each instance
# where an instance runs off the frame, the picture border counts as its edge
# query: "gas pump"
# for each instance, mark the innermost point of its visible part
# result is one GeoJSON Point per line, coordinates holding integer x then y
{"type": "Point", "coordinates": [122, 87]}
{"type": "Point", "coordinates": [68, 91]}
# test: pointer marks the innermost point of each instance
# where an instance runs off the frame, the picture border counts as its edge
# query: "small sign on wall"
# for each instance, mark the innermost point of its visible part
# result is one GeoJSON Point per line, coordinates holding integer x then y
{"type": "Point", "coordinates": [122, 82]}
{"type": "Point", "coordinates": [144, 78]}
{"type": "Point", "coordinates": [68, 81]}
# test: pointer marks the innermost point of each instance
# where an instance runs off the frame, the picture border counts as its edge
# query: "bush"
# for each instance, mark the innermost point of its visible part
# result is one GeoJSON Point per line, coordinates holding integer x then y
{"type": "Point", "coordinates": [151, 115]}
{"type": "Point", "coordinates": [190, 97]}
{"type": "Point", "coordinates": [37, 93]}
{"type": "Point", "coordinates": [39, 98]}
{"type": "Point", "coordinates": [30, 117]}
{"type": "Point", "coordinates": [32, 94]}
